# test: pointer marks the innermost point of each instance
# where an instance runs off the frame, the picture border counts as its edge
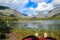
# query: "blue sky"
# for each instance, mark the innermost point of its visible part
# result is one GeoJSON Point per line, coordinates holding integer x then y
{"type": "Point", "coordinates": [31, 7]}
{"type": "Point", "coordinates": [31, 4]}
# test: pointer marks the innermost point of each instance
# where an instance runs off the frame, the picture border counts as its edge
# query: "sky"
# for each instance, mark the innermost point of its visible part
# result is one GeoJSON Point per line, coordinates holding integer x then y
{"type": "Point", "coordinates": [31, 7]}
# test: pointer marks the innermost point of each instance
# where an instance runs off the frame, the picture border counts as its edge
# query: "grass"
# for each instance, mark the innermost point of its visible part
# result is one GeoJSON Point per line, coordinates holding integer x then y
{"type": "Point", "coordinates": [25, 32]}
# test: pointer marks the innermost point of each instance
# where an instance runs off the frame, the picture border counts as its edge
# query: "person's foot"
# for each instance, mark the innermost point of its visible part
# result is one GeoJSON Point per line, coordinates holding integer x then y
{"type": "Point", "coordinates": [45, 34]}
{"type": "Point", "coordinates": [36, 34]}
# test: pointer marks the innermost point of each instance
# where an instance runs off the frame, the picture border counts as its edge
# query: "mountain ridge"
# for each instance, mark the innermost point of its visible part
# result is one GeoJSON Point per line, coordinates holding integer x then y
{"type": "Point", "coordinates": [7, 11]}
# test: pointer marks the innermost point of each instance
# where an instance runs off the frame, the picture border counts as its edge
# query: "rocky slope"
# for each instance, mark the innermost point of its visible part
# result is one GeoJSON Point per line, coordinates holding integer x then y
{"type": "Point", "coordinates": [55, 12]}
{"type": "Point", "coordinates": [6, 11]}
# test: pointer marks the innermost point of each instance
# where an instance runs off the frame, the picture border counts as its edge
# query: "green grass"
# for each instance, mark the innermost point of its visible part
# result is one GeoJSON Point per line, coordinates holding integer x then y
{"type": "Point", "coordinates": [25, 32]}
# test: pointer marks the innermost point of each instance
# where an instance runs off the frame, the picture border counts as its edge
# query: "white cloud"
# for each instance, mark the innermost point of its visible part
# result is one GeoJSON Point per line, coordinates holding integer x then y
{"type": "Point", "coordinates": [56, 2]}
{"type": "Point", "coordinates": [44, 6]}
{"type": "Point", "coordinates": [5, 1]}
{"type": "Point", "coordinates": [15, 2]}
{"type": "Point", "coordinates": [30, 12]}
{"type": "Point", "coordinates": [38, 1]}
{"type": "Point", "coordinates": [20, 2]}
{"type": "Point", "coordinates": [53, 1]}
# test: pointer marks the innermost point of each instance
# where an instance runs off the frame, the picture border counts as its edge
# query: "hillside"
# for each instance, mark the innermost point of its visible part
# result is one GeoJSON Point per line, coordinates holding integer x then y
{"type": "Point", "coordinates": [55, 12]}
{"type": "Point", "coordinates": [6, 11]}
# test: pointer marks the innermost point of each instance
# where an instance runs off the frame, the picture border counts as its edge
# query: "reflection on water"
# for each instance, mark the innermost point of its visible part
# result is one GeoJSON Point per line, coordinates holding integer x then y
{"type": "Point", "coordinates": [55, 25]}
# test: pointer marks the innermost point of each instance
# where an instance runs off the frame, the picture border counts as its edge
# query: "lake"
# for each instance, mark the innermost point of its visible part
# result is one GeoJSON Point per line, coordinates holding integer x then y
{"type": "Point", "coordinates": [45, 24]}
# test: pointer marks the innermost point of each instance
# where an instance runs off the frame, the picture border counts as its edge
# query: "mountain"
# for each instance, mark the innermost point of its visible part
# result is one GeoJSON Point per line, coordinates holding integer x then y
{"type": "Point", "coordinates": [3, 7]}
{"type": "Point", "coordinates": [58, 14]}
{"type": "Point", "coordinates": [40, 15]}
{"type": "Point", "coordinates": [55, 12]}
{"type": "Point", "coordinates": [7, 11]}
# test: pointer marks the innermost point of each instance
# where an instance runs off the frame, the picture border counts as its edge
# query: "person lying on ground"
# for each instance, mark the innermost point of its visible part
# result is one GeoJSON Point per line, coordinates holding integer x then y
{"type": "Point", "coordinates": [32, 37]}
